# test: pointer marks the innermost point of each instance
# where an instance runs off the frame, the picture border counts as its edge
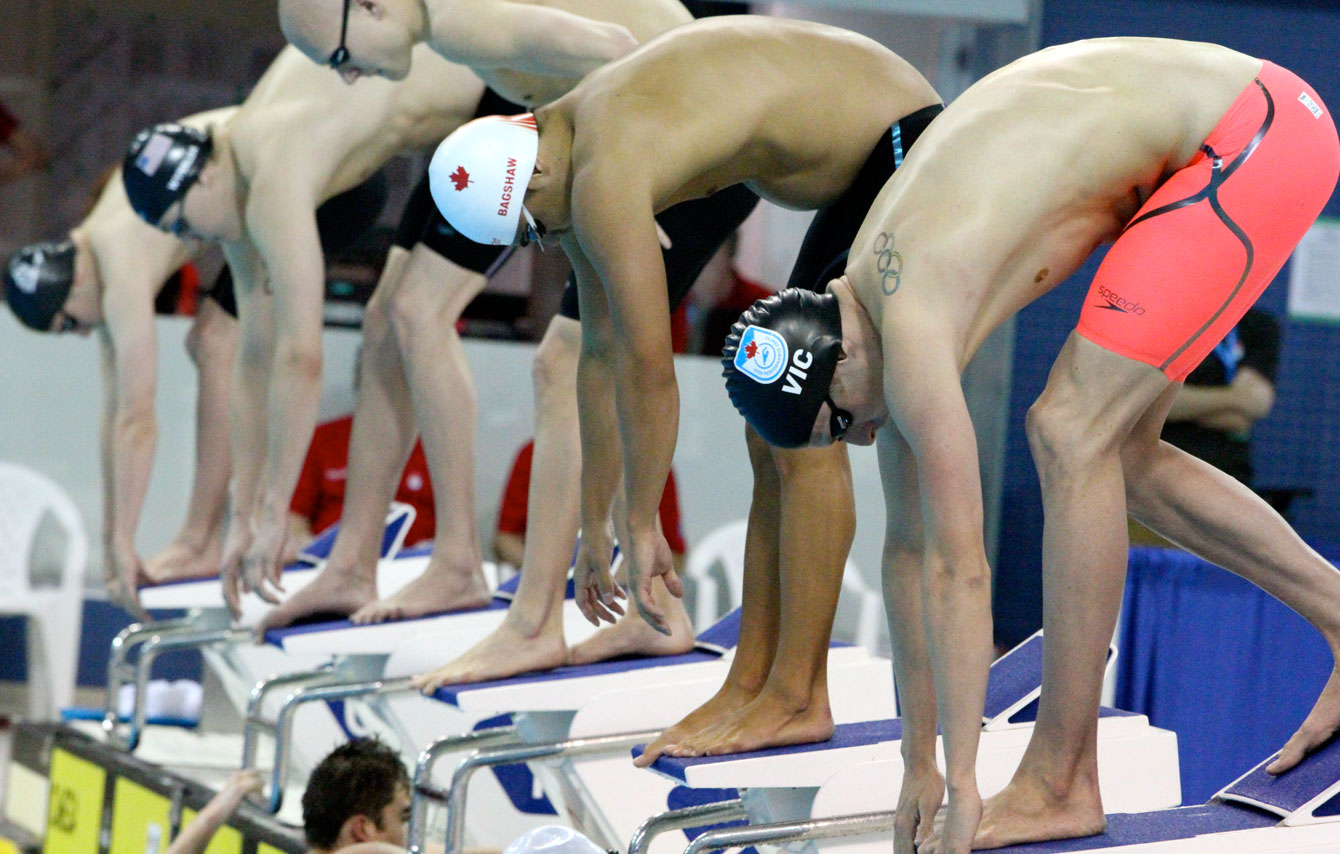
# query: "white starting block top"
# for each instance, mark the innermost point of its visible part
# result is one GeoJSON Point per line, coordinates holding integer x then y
{"type": "Point", "coordinates": [420, 644]}
{"type": "Point", "coordinates": [1255, 814]}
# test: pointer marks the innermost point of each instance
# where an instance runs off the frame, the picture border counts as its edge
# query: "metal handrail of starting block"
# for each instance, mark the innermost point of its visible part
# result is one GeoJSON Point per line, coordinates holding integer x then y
{"type": "Point", "coordinates": [205, 627]}
{"type": "Point", "coordinates": [344, 678]}
{"type": "Point", "coordinates": [698, 815]}
{"type": "Point", "coordinates": [425, 792]}
{"type": "Point", "coordinates": [527, 752]}
{"type": "Point", "coordinates": [783, 832]}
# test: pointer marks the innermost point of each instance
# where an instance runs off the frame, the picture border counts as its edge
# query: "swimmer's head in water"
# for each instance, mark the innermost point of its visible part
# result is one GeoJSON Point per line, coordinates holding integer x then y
{"type": "Point", "coordinates": [161, 166]}
{"type": "Point", "coordinates": [778, 363]}
{"type": "Point", "coordinates": [357, 38]}
{"type": "Point", "coordinates": [479, 174]}
{"type": "Point", "coordinates": [37, 281]}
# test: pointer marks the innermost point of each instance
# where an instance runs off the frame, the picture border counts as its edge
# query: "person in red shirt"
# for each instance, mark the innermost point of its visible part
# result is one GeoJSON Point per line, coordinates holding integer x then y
{"type": "Point", "coordinates": [318, 499]}
{"type": "Point", "coordinates": [509, 543]}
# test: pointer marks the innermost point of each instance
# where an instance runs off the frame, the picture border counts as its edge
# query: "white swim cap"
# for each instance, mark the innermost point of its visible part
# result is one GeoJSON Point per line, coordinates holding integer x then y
{"type": "Point", "coordinates": [552, 839]}
{"type": "Point", "coordinates": [478, 176]}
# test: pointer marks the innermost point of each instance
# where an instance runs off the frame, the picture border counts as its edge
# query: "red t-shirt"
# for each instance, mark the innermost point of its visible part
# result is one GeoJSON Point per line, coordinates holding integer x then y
{"type": "Point", "coordinates": [512, 513]}
{"type": "Point", "coordinates": [8, 124]}
{"type": "Point", "coordinates": [319, 495]}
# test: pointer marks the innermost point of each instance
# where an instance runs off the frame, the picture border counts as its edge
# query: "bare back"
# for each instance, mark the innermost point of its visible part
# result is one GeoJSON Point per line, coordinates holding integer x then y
{"type": "Point", "coordinates": [645, 19]}
{"type": "Point", "coordinates": [304, 122]}
{"type": "Point", "coordinates": [1032, 168]}
{"type": "Point", "coordinates": [780, 105]}
{"type": "Point", "coordinates": [131, 255]}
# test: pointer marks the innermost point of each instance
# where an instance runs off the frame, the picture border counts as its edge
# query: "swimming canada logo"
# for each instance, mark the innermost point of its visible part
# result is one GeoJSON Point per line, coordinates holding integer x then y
{"type": "Point", "coordinates": [762, 355]}
{"type": "Point", "coordinates": [1115, 302]}
{"type": "Point", "coordinates": [460, 179]}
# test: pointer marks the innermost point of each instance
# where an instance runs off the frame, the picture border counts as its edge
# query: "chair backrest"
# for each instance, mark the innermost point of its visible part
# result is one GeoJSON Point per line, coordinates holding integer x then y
{"type": "Point", "coordinates": [715, 569]}
{"type": "Point", "coordinates": [26, 498]}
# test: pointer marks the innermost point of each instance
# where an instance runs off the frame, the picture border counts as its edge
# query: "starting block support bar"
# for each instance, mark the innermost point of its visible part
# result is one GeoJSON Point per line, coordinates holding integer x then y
{"type": "Point", "coordinates": [695, 816]}
{"type": "Point", "coordinates": [792, 831]}
{"type": "Point", "coordinates": [153, 639]}
{"type": "Point", "coordinates": [488, 758]}
{"type": "Point", "coordinates": [425, 792]}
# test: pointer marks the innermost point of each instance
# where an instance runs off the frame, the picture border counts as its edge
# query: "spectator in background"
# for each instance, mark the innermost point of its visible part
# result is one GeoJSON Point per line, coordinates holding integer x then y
{"type": "Point", "coordinates": [26, 153]}
{"type": "Point", "coordinates": [509, 542]}
{"type": "Point", "coordinates": [318, 497]}
{"type": "Point", "coordinates": [1212, 416]}
{"type": "Point", "coordinates": [357, 801]}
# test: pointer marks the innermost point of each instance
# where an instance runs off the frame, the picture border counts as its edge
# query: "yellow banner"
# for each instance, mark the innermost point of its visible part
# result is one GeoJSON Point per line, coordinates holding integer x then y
{"type": "Point", "coordinates": [226, 840]}
{"type": "Point", "coordinates": [141, 819]}
{"type": "Point", "coordinates": [74, 810]}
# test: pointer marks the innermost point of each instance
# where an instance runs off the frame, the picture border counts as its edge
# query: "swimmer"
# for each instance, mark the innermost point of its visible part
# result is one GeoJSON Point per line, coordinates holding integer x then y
{"type": "Point", "coordinates": [253, 184]}
{"type": "Point", "coordinates": [103, 276]}
{"type": "Point", "coordinates": [638, 137]}
{"type": "Point", "coordinates": [1204, 167]}
{"type": "Point", "coordinates": [531, 53]}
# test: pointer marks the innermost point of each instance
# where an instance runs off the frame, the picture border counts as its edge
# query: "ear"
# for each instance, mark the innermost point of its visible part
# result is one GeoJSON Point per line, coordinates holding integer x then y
{"type": "Point", "coordinates": [359, 828]}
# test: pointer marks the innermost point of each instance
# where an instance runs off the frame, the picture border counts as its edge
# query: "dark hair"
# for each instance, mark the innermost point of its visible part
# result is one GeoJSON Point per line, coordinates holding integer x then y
{"type": "Point", "coordinates": [357, 778]}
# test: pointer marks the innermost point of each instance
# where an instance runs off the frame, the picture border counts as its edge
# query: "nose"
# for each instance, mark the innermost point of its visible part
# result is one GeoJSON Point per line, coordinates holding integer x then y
{"type": "Point", "coordinates": [350, 74]}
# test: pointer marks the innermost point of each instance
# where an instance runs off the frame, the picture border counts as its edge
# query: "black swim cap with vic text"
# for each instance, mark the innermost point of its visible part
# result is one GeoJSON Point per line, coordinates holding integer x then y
{"type": "Point", "coordinates": [779, 360]}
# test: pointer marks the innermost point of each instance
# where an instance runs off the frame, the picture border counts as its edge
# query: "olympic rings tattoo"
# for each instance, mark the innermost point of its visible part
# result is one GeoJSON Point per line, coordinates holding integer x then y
{"type": "Point", "coordinates": [888, 263]}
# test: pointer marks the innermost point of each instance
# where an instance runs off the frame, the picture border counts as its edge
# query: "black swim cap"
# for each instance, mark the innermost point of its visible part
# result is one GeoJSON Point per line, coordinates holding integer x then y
{"type": "Point", "coordinates": [779, 360]}
{"type": "Point", "coordinates": [161, 165]}
{"type": "Point", "coordinates": [37, 282]}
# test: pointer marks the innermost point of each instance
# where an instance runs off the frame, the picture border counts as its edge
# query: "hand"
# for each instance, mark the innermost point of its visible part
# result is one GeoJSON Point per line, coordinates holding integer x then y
{"type": "Point", "coordinates": [263, 567]}
{"type": "Point", "coordinates": [235, 546]}
{"type": "Point", "coordinates": [647, 556]}
{"type": "Point", "coordinates": [240, 784]}
{"type": "Point", "coordinates": [920, 798]}
{"type": "Point", "coordinates": [597, 593]}
{"type": "Point", "coordinates": [122, 570]}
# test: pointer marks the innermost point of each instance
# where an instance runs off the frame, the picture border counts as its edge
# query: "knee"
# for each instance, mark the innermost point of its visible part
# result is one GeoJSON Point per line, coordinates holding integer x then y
{"type": "Point", "coordinates": [555, 365]}
{"type": "Point", "coordinates": [1059, 440]}
{"type": "Point", "coordinates": [411, 315]}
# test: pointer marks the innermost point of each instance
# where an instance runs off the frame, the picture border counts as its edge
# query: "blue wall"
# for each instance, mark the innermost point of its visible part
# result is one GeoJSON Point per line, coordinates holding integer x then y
{"type": "Point", "coordinates": [1299, 443]}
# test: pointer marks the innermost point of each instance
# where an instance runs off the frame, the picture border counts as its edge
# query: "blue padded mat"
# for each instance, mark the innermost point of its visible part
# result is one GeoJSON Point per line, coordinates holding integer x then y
{"type": "Point", "coordinates": [711, 644]}
{"type": "Point", "coordinates": [451, 693]}
{"type": "Point", "coordinates": [844, 735]}
{"type": "Point", "coordinates": [1157, 826]}
{"type": "Point", "coordinates": [278, 636]}
{"type": "Point", "coordinates": [1290, 790]}
{"type": "Point", "coordinates": [1013, 676]}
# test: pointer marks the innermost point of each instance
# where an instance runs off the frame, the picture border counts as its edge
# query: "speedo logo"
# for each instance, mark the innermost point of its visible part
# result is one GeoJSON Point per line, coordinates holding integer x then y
{"type": "Point", "coordinates": [1115, 302]}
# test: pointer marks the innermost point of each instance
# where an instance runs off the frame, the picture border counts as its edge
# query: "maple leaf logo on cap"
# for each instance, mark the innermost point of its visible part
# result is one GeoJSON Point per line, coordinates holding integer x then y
{"type": "Point", "coordinates": [750, 349]}
{"type": "Point", "coordinates": [460, 178]}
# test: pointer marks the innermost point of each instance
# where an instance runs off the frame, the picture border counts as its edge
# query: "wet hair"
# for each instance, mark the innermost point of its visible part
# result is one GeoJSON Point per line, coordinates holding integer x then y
{"type": "Point", "coordinates": [357, 778]}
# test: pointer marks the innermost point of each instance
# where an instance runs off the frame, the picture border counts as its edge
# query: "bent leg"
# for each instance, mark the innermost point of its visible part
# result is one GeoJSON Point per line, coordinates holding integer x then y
{"type": "Point", "coordinates": [1076, 429]}
{"type": "Point", "coordinates": [1217, 518]}
{"type": "Point", "coordinates": [382, 437]}
{"type": "Point", "coordinates": [424, 309]}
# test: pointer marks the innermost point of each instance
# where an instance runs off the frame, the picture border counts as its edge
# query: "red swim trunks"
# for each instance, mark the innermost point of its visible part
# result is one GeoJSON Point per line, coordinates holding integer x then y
{"type": "Point", "coordinates": [1208, 241]}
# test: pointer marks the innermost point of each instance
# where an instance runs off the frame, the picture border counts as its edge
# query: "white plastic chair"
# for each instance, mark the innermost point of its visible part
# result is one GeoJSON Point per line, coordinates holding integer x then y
{"type": "Point", "coordinates": [55, 612]}
{"type": "Point", "coordinates": [716, 567]}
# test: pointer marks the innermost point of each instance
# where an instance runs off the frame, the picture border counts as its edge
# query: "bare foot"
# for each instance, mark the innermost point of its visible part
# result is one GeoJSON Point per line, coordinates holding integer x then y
{"type": "Point", "coordinates": [766, 721]}
{"type": "Point", "coordinates": [727, 700]}
{"type": "Point", "coordinates": [1321, 723]}
{"type": "Point", "coordinates": [178, 562]}
{"type": "Point", "coordinates": [633, 636]}
{"type": "Point", "coordinates": [1028, 811]}
{"type": "Point", "coordinates": [333, 591]}
{"type": "Point", "coordinates": [505, 652]}
{"type": "Point", "coordinates": [437, 590]}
